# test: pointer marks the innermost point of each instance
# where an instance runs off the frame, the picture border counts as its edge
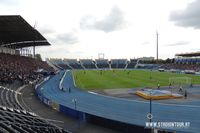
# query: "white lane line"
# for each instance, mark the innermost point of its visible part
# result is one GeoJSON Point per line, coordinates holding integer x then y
{"type": "Point", "coordinates": [147, 102]}
{"type": "Point", "coordinates": [92, 92]}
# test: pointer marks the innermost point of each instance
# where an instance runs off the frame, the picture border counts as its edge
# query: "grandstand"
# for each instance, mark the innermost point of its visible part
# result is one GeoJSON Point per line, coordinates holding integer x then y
{"type": "Point", "coordinates": [73, 63]}
{"type": "Point", "coordinates": [193, 67]}
{"type": "Point", "coordinates": [19, 67]}
{"type": "Point", "coordinates": [185, 61]}
{"type": "Point", "coordinates": [14, 118]}
{"type": "Point", "coordinates": [16, 67]}
{"type": "Point", "coordinates": [81, 64]}
{"type": "Point", "coordinates": [188, 58]}
{"type": "Point", "coordinates": [65, 64]}
{"type": "Point", "coordinates": [16, 34]}
{"type": "Point", "coordinates": [88, 63]}
{"type": "Point", "coordinates": [102, 63]}
{"type": "Point", "coordinates": [69, 64]}
{"type": "Point", "coordinates": [132, 63]}
{"type": "Point", "coordinates": [58, 63]}
{"type": "Point", "coordinates": [118, 63]}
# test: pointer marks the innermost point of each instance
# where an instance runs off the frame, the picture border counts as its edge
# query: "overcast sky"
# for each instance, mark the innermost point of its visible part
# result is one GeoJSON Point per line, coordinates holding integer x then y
{"type": "Point", "coordinates": [117, 28]}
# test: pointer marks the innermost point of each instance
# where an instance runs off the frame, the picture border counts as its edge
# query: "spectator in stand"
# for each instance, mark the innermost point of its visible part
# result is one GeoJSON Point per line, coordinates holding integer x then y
{"type": "Point", "coordinates": [194, 67]}
{"type": "Point", "coordinates": [15, 67]}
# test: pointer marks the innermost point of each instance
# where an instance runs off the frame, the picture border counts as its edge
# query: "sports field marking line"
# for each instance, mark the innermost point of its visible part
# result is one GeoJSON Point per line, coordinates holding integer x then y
{"type": "Point", "coordinates": [193, 106]}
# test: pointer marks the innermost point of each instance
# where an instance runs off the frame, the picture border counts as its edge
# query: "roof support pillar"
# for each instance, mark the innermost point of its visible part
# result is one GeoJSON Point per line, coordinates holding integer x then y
{"type": "Point", "coordinates": [33, 51]}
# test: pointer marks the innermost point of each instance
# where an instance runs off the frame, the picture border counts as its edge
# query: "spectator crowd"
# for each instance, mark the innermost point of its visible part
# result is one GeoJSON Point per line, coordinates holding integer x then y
{"type": "Point", "coordinates": [194, 67]}
{"type": "Point", "coordinates": [15, 67]}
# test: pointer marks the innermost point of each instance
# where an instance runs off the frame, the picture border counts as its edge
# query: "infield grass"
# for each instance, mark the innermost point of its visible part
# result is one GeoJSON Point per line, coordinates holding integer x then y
{"type": "Point", "coordinates": [112, 79]}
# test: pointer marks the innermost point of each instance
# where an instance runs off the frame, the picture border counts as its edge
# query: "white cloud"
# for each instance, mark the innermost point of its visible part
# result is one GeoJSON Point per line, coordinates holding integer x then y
{"type": "Point", "coordinates": [45, 29]}
{"type": "Point", "coordinates": [113, 21]}
{"type": "Point", "coordinates": [190, 17]}
{"type": "Point", "coordinates": [131, 25]}
{"type": "Point", "coordinates": [67, 38]}
{"type": "Point", "coordinates": [9, 2]}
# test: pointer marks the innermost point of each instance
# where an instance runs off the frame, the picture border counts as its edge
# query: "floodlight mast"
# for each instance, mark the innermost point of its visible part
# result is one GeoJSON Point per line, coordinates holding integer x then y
{"type": "Point", "coordinates": [101, 55]}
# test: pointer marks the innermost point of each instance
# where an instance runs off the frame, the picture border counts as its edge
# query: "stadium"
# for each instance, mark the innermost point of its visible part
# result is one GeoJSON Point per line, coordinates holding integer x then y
{"type": "Point", "coordinates": [92, 95]}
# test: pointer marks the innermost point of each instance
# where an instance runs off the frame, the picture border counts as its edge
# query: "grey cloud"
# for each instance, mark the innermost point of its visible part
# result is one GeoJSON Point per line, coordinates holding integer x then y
{"type": "Point", "coordinates": [113, 21]}
{"type": "Point", "coordinates": [179, 43]}
{"type": "Point", "coordinates": [67, 38]}
{"type": "Point", "coordinates": [190, 17]}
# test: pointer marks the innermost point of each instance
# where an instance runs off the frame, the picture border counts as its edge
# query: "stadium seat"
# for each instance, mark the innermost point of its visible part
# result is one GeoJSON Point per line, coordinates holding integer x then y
{"type": "Point", "coordinates": [132, 63]}
{"type": "Point", "coordinates": [118, 63]}
{"type": "Point", "coordinates": [88, 63]}
{"type": "Point", "coordinates": [23, 121]}
{"type": "Point", "coordinates": [102, 63]}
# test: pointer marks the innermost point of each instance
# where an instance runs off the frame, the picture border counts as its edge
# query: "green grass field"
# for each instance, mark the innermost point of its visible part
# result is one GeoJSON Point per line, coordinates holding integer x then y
{"type": "Point", "coordinates": [109, 79]}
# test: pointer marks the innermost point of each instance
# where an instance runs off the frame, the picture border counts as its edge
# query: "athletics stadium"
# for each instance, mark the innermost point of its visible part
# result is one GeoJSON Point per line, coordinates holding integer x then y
{"type": "Point", "coordinates": [93, 95]}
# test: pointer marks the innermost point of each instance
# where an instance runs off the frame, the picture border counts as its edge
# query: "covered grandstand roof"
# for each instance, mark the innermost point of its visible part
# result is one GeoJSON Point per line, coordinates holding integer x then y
{"type": "Point", "coordinates": [16, 32]}
{"type": "Point", "coordinates": [192, 54]}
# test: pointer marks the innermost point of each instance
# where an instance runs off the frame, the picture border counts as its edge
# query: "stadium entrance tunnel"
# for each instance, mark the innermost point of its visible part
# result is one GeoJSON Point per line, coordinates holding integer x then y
{"type": "Point", "coordinates": [157, 94]}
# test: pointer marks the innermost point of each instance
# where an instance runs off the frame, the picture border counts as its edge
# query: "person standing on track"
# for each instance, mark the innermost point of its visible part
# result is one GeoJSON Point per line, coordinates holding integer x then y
{"type": "Point", "coordinates": [158, 86]}
{"type": "Point", "coordinates": [185, 94]}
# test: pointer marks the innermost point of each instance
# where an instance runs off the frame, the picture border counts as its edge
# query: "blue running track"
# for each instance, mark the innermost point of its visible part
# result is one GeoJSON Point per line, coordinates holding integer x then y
{"type": "Point", "coordinates": [123, 110]}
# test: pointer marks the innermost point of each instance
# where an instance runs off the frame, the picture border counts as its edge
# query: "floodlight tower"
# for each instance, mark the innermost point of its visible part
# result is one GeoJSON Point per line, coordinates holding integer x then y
{"type": "Point", "coordinates": [101, 55]}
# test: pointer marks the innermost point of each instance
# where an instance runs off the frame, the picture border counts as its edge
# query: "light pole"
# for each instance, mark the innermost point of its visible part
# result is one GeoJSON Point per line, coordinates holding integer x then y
{"type": "Point", "coordinates": [149, 115]}
{"type": "Point", "coordinates": [150, 107]}
{"type": "Point", "coordinates": [74, 100]}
